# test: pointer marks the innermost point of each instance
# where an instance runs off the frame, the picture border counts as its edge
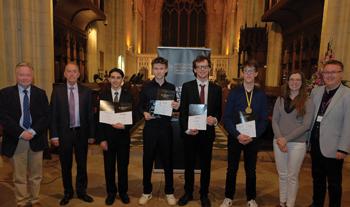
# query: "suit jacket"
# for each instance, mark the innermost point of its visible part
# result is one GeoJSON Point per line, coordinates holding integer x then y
{"type": "Point", "coordinates": [190, 95]}
{"type": "Point", "coordinates": [60, 113]}
{"type": "Point", "coordinates": [334, 126]}
{"type": "Point", "coordinates": [106, 132]}
{"type": "Point", "coordinates": [10, 110]}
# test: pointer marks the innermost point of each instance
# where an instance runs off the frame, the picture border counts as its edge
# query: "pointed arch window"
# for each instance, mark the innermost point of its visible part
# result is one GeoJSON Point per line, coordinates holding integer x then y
{"type": "Point", "coordinates": [184, 23]}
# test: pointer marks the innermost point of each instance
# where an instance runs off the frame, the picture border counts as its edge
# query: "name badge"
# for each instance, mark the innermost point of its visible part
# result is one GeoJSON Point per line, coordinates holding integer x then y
{"type": "Point", "coordinates": [319, 118]}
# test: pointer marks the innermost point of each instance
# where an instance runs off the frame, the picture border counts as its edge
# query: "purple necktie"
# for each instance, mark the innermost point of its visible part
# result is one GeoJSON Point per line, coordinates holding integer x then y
{"type": "Point", "coordinates": [71, 107]}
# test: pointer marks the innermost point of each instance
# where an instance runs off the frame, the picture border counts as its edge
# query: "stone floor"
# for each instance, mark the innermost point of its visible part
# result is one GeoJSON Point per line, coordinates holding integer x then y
{"type": "Point", "coordinates": [267, 186]}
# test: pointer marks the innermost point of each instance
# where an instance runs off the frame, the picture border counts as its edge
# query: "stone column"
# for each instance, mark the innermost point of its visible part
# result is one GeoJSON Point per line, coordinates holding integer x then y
{"type": "Point", "coordinates": [336, 29]}
{"type": "Point", "coordinates": [274, 55]}
{"type": "Point", "coordinates": [26, 34]}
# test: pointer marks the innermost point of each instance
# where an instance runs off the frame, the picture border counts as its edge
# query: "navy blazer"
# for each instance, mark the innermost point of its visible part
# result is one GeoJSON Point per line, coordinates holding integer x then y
{"type": "Point", "coordinates": [10, 115]}
{"type": "Point", "coordinates": [236, 101]}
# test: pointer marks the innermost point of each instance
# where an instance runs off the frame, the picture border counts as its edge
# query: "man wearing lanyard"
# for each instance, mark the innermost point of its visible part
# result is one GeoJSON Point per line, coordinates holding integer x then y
{"type": "Point", "coordinates": [244, 102]}
{"type": "Point", "coordinates": [330, 135]}
{"type": "Point", "coordinates": [24, 110]}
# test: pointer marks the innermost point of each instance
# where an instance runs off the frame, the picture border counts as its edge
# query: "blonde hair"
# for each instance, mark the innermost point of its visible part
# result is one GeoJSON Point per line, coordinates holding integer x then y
{"type": "Point", "coordinates": [24, 64]}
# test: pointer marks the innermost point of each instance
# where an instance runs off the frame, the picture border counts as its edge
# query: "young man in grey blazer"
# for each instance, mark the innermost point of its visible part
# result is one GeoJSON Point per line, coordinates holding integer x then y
{"type": "Point", "coordinates": [330, 136]}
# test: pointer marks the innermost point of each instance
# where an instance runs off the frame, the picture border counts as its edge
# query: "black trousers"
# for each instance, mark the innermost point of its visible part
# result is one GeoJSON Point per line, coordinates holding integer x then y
{"type": "Point", "coordinates": [200, 145]}
{"type": "Point", "coordinates": [325, 170]}
{"type": "Point", "coordinates": [117, 155]}
{"type": "Point", "coordinates": [157, 140]}
{"type": "Point", "coordinates": [74, 142]}
{"type": "Point", "coordinates": [250, 152]}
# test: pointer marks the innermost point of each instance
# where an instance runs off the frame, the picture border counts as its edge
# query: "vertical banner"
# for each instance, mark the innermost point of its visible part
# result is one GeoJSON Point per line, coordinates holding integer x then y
{"type": "Point", "coordinates": [179, 71]}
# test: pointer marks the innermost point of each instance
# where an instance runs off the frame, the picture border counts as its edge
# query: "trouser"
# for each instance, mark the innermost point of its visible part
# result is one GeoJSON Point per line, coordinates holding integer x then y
{"type": "Point", "coordinates": [26, 163]}
{"type": "Point", "coordinates": [199, 145]}
{"type": "Point", "coordinates": [325, 171]}
{"type": "Point", "coordinates": [79, 146]}
{"type": "Point", "coordinates": [119, 153]}
{"type": "Point", "coordinates": [288, 165]}
{"type": "Point", "coordinates": [250, 152]}
{"type": "Point", "coordinates": [158, 139]}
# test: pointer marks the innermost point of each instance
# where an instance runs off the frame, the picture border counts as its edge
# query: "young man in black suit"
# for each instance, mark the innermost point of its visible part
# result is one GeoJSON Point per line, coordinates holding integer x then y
{"type": "Point", "coordinates": [24, 113]}
{"type": "Point", "coordinates": [115, 140]}
{"type": "Point", "coordinates": [199, 91]}
{"type": "Point", "coordinates": [72, 127]}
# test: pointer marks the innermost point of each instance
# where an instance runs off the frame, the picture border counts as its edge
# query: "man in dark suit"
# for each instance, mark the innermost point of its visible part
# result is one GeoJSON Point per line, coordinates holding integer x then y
{"type": "Point", "coordinates": [72, 127]}
{"type": "Point", "coordinates": [115, 140]}
{"type": "Point", "coordinates": [199, 91]}
{"type": "Point", "coordinates": [24, 113]}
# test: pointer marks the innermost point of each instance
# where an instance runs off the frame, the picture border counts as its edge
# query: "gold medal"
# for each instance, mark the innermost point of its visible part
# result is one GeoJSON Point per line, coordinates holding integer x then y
{"type": "Point", "coordinates": [248, 110]}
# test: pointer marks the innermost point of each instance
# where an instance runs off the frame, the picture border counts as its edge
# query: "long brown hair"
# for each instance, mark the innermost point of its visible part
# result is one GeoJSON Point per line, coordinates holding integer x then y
{"type": "Point", "coordinates": [299, 101]}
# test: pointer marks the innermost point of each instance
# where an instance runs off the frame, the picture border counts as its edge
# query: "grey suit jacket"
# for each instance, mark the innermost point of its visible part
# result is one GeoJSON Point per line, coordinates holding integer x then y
{"type": "Point", "coordinates": [335, 124]}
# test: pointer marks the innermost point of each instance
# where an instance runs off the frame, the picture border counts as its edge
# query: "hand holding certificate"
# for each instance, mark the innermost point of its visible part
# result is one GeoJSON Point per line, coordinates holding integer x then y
{"type": "Point", "coordinates": [113, 114]}
{"type": "Point", "coordinates": [247, 128]}
{"type": "Point", "coordinates": [197, 118]}
{"type": "Point", "coordinates": [162, 106]}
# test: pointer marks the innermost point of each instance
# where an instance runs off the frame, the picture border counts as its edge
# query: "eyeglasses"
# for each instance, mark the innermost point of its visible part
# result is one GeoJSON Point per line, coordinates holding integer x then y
{"type": "Point", "coordinates": [295, 80]}
{"type": "Point", "coordinates": [331, 72]}
{"type": "Point", "coordinates": [249, 72]}
{"type": "Point", "coordinates": [202, 67]}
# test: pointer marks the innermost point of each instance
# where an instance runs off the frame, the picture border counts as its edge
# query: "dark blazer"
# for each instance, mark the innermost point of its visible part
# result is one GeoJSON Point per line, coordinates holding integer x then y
{"type": "Point", "coordinates": [190, 95]}
{"type": "Point", "coordinates": [106, 131]}
{"type": "Point", "coordinates": [10, 110]}
{"type": "Point", "coordinates": [60, 113]}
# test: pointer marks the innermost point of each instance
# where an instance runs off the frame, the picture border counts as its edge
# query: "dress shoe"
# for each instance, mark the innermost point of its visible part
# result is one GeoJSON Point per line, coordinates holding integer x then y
{"type": "Point", "coordinates": [205, 202]}
{"type": "Point", "coordinates": [124, 198]}
{"type": "Point", "coordinates": [85, 197]}
{"type": "Point", "coordinates": [110, 199]}
{"type": "Point", "coordinates": [184, 199]}
{"type": "Point", "coordinates": [65, 199]}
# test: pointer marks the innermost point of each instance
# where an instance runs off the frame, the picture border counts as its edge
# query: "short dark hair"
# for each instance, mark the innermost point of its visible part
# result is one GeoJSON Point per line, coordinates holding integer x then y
{"type": "Point", "coordinates": [250, 63]}
{"type": "Point", "coordinates": [334, 62]}
{"type": "Point", "coordinates": [200, 58]}
{"type": "Point", "coordinates": [160, 60]}
{"type": "Point", "coordinates": [116, 70]}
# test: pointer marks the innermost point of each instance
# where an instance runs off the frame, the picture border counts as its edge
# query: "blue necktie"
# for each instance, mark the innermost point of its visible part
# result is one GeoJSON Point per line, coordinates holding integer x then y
{"type": "Point", "coordinates": [26, 110]}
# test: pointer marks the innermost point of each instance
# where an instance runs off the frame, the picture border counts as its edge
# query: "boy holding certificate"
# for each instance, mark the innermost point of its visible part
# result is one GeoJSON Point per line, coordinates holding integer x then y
{"type": "Point", "coordinates": [114, 138]}
{"type": "Point", "coordinates": [157, 132]}
{"type": "Point", "coordinates": [246, 111]}
{"type": "Point", "coordinates": [200, 102]}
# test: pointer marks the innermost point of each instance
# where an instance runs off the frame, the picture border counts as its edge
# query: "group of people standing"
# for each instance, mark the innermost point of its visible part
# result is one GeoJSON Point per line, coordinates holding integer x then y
{"type": "Point", "coordinates": [319, 122]}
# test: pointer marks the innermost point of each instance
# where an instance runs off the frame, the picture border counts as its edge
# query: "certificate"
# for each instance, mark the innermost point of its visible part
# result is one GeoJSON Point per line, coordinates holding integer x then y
{"type": "Point", "coordinates": [111, 113]}
{"type": "Point", "coordinates": [163, 107]}
{"type": "Point", "coordinates": [197, 118]}
{"type": "Point", "coordinates": [247, 128]}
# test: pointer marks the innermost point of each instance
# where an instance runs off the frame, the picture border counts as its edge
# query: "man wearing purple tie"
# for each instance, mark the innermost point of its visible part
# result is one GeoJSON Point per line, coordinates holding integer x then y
{"type": "Point", "coordinates": [24, 113]}
{"type": "Point", "coordinates": [72, 127]}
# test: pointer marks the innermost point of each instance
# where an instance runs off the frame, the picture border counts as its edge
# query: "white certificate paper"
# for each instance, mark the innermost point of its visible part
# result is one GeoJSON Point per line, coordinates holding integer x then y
{"type": "Point", "coordinates": [247, 128]}
{"type": "Point", "coordinates": [197, 122]}
{"type": "Point", "coordinates": [124, 118]}
{"type": "Point", "coordinates": [163, 107]}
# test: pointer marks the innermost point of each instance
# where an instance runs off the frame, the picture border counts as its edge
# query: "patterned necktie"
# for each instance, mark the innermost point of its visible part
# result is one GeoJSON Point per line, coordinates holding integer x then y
{"type": "Point", "coordinates": [26, 110]}
{"type": "Point", "coordinates": [116, 99]}
{"type": "Point", "coordinates": [201, 94]}
{"type": "Point", "coordinates": [71, 103]}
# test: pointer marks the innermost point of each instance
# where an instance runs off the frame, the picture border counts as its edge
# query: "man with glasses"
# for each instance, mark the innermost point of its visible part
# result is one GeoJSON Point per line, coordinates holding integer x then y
{"type": "Point", "coordinates": [199, 91]}
{"type": "Point", "coordinates": [330, 135]}
{"type": "Point", "coordinates": [244, 103]}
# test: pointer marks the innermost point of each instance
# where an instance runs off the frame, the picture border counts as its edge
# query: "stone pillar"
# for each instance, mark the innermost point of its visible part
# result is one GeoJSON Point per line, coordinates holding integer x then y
{"type": "Point", "coordinates": [26, 34]}
{"type": "Point", "coordinates": [336, 29]}
{"type": "Point", "coordinates": [274, 55]}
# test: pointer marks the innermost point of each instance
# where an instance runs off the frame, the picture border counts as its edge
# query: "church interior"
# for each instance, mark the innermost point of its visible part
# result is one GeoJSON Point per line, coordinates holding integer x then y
{"type": "Point", "coordinates": [98, 35]}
